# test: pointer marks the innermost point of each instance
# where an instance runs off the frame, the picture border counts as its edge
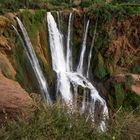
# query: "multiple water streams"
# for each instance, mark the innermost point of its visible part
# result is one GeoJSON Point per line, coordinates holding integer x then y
{"type": "Point", "coordinates": [68, 80]}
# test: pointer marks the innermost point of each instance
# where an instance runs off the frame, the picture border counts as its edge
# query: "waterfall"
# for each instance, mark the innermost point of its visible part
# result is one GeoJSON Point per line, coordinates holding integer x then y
{"type": "Point", "coordinates": [91, 48]}
{"type": "Point", "coordinates": [58, 59]}
{"type": "Point", "coordinates": [66, 77]}
{"type": "Point", "coordinates": [69, 53]}
{"type": "Point", "coordinates": [81, 61]}
{"type": "Point", "coordinates": [80, 65]}
{"type": "Point", "coordinates": [33, 60]}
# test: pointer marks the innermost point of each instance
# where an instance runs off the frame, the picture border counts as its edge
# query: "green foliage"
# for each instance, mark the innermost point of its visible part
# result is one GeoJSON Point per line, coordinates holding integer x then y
{"type": "Point", "coordinates": [120, 94]}
{"type": "Point", "coordinates": [126, 1]}
{"type": "Point", "coordinates": [135, 68]}
{"type": "Point", "coordinates": [60, 2]}
{"type": "Point", "coordinates": [131, 101]}
{"type": "Point", "coordinates": [56, 122]}
{"type": "Point", "coordinates": [14, 5]}
{"type": "Point", "coordinates": [129, 81]}
{"type": "Point", "coordinates": [107, 12]}
{"type": "Point", "coordinates": [100, 70]}
{"type": "Point", "coordinates": [19, 57]}
{"type": "Point", "coordinates": [88, 3]}
{"type": "Point", "coordinates": [51, 123]}
{"type": "Point", "coordinates": [33, 23]}
{"type": "Point", "coordinates": [85, 3]}
{"type": "Point", "coordinates": [120, 97]}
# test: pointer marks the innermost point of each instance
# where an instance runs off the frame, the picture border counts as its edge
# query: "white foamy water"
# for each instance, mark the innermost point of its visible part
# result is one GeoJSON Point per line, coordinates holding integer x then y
{"type": "Point", "coordinates": [58, 59]}
{"type": "Point", "coordinates": [69, 53]}
{"type": "Point", "coordinates": [91, 49]}
{"type": "Point", "coordinates": [65, 75]}
{"type": "Point", "coordinates": [33, 60]}
{"type": "Point", "coordinates": [81, 61]}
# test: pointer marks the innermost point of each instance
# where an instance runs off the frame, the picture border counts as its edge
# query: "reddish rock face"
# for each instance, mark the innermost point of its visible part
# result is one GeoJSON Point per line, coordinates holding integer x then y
{"type": "Point", "coordinates": [136, 89]}
{"type": "Point", "coordinates": [14, 101]}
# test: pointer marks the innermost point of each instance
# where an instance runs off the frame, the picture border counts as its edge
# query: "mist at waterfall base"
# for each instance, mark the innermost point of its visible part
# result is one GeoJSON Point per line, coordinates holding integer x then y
{"type": "Point", "coordinates": [68, 80]}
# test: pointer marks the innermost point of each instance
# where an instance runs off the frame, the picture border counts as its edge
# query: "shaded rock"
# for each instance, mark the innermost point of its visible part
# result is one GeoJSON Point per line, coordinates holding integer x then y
{"type": "Point", "coordinates": [14, 100]}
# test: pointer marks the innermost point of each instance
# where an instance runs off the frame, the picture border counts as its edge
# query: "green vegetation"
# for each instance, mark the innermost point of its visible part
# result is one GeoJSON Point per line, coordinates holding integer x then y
{"type": "Point", "coordinates": [119, 93]}
{"type": "Point", "coordinates": [100, 70]}
{"type": "Point", "coordinates": [14, 5]}
{"type": "Point", "coordinates": [54, 123]}
{"type": "Point", "coordinates": [119, 97]}
{"type": "Point", "coordinates": [107, 14]}
{"type": "Point", "coordinates": [35, 24]}
{"type": "Point", "coordinates": [135, 68]}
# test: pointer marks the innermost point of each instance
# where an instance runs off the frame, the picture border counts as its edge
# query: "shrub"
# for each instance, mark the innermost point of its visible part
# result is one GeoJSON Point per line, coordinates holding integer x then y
{"type": "Point", "coordinates": [56, 122]}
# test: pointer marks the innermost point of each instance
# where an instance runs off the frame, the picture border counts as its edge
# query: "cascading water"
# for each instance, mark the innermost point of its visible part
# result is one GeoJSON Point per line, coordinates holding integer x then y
{"type": "Point", "coordinates": [91, 48]}
{"type": "Point", "coordinates": [80, 65]}
{"type": "Point", "coordinates": [66, 77]}
{"type": "Point", "coordinates": [81, 61]}
{"type": "Point", "coordinates": [33, 60]}
{"type": "Point", "coordinates": [63, 67]}
{"type": "Point", "coordinates": [69, 53]}
{"type": "Point", "coordinates": [58, 59]}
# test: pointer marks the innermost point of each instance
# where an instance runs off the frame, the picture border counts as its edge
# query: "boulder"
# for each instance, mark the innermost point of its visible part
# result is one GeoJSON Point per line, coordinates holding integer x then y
{"type": "Point", "coordinates": [14, 101]}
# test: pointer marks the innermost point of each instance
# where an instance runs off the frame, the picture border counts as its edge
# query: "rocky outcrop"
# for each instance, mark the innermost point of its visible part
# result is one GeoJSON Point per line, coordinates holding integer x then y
{"type": "Point", "coordinates": [14, 101]}
{"type": "Point", "coordinates": [131, 81]}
